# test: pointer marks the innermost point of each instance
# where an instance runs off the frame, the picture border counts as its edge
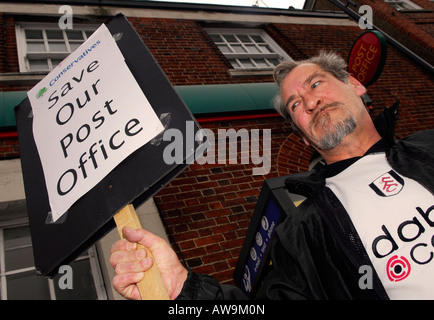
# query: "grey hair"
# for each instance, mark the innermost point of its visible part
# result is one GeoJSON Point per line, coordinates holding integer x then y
{"type": "Point", "coordinates": [328, 61]}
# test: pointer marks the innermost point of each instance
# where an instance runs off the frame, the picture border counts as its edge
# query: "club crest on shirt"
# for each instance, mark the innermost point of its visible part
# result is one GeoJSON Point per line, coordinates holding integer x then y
{"type": "Point", "coordinates": [388, 184]}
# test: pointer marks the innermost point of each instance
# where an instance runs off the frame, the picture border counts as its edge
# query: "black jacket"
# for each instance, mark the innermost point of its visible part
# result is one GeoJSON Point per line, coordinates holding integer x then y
{"type": "Point", "coordinates": [316, 252]}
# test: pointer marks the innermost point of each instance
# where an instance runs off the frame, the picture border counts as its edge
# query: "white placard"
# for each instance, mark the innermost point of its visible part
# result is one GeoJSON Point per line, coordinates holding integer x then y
{"type": "Point", "coordinates": [89, 114]}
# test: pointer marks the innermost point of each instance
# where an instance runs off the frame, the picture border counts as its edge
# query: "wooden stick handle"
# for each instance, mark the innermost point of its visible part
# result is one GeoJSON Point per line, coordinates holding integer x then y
{"type": "Point", "coordinates": [152, 286]}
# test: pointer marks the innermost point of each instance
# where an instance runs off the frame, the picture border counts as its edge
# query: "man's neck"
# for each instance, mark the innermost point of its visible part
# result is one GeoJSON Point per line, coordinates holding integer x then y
{"type": "Point", "coordinates": [352, 146]}
{"type": "Point", "coordinates": [339, 166]}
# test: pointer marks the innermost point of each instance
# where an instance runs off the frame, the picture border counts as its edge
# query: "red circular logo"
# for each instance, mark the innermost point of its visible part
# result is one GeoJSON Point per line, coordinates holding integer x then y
{"type": "Point", "coordinates": [398, 268]}
{"type": "Point", "coordinates": [367, 57]}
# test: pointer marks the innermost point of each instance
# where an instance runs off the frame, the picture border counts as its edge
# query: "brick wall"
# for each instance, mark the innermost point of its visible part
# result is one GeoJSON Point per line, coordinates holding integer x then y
{"type": "Point", "coordinates": [412, 28]}
{"type": "Point", "coordinates": [10, 61]}
{"type": "Point", "coordinates": [186, 53]}
{"type": "Point", "coordinates": [2, 43]}
{"type": "Point", "coordinates": [9, 148]}
{"type": "Point", "coordinates": [408, 26]}
{"type": "Point", "coordinates": [207, 209]}
{"type": "Point", "coordinates": [425, 19]}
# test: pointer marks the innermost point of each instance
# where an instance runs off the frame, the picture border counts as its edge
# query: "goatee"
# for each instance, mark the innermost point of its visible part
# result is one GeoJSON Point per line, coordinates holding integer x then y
{"type": "Point", "coordinates": [334, 132]}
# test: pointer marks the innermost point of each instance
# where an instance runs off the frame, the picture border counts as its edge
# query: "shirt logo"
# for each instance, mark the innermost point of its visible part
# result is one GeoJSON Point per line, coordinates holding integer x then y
{"type": "Point", "coordinates": [398, 268]}
{"type": "Point", "coordinates": [389, 184]}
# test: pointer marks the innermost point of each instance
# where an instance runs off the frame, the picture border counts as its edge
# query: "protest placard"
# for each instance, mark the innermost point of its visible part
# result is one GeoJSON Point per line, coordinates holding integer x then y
{"type": "Point", "coordinates": [92, 143]}
{"type": "Point", "coordinates": [89, 114]}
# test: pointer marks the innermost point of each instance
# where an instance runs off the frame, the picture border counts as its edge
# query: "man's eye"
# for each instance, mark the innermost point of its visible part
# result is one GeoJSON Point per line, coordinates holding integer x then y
{"type": "Point", "coordinates": [315, 84]}
{"type": "Point", "coordinates": [294, 106]}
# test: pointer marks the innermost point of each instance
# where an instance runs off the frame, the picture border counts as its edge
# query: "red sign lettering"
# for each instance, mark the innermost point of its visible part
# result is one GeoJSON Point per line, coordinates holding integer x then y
{"type": "Point", "coordinates": [367, 57]}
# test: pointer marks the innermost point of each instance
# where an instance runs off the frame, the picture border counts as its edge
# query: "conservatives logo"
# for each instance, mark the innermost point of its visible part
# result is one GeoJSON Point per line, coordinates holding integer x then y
{"type": "Point", "coordinates": [75, 61]}
{"type": "Point", "coordinates": [63, 71]}
{"type": "Point", "coordinates": [41, 92]}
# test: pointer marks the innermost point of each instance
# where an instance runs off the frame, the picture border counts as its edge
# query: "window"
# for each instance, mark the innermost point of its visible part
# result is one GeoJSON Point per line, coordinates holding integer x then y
{"type": "Point", "coordinates": [43, 48]}
{"type": "Point", "coordinates": [403, 5]}
{"type": "Point", "coordinates": [248, 49]}
{"type": "Point", "coordinates": [19, 280]}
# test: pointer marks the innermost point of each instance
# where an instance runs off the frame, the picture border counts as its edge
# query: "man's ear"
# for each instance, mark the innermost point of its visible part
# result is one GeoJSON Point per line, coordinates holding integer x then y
{"type": "Point", "coordinates": [306, 142]}
{"type": "Point", "coordinates": [301, 135]}
{"type": "Point", "coordinates": [359, 88]}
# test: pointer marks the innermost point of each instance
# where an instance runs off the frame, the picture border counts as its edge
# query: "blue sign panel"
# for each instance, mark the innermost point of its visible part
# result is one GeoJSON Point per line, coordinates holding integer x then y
{"type": "Point", "coordinates": [259, 249]}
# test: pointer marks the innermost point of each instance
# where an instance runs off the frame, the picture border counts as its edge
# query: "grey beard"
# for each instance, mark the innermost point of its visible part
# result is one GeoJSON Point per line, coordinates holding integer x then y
{"type": "Point", "coordinates": [334, 134]}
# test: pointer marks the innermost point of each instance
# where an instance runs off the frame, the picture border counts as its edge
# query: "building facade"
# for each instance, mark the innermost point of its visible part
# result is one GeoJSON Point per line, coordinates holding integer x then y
{"type": "Point", "coordinates": [220, 60]}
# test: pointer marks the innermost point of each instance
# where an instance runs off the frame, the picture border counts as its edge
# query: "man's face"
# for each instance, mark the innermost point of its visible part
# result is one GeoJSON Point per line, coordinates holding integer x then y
{"type": "Point", "coordinates": [325, 109]}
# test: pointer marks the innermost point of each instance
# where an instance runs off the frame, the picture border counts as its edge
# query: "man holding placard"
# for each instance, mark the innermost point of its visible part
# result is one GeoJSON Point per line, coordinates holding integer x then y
{"type": "Point", "coordinates": [363, 207]}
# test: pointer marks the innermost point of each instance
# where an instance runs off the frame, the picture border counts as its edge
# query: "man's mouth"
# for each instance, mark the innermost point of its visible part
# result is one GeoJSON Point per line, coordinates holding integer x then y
{"type": "Point", "coordinates": [324, 109]}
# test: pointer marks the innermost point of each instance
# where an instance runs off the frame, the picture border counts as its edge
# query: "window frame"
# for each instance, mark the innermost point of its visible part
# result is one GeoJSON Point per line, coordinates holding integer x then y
{"type": "Point", "coordinates": [402, 3]}
{"type": "Point", "coordinates": [277, 52]}
{"type": "Point", "coordinates": [24, 54]}
{"type": "Point", "coordinates": [90, 254]}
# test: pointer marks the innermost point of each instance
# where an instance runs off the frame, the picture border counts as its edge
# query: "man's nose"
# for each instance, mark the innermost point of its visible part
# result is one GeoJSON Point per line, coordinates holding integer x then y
{"type": "Point", "coordinates": [311, 103]}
